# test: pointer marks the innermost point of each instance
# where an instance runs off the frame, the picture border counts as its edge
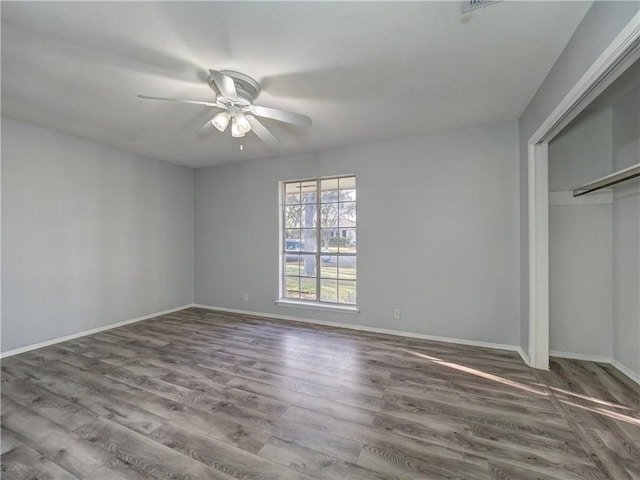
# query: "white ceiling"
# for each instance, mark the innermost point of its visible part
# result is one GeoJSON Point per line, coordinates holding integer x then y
{"type": "Point", "coordinates": [362, 71]}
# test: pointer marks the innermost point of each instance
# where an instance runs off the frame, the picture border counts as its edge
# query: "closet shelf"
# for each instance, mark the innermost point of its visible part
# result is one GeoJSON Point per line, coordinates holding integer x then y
{"type": "Point", "coordinates": [608, 180]}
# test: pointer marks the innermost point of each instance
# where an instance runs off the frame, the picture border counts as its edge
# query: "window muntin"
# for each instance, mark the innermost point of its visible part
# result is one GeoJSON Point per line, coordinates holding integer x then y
{"type": "Point", "coordinates": [318, 247]}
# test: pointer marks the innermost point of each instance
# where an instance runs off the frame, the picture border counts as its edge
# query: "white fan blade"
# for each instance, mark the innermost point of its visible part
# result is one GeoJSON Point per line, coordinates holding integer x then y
{"type": "Point", "coordinates": [280, 115]}
{"type": "Point", "coordinates": [224, 83]}
{"type": "Point", "coordinates": [180, 100]}
{"type": "Point", "coordinates": [261, 131]}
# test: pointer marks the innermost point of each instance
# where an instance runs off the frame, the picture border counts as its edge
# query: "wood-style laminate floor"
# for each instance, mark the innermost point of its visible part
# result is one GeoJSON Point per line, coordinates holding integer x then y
{"type": "Point", "coordinates": [200, 394]}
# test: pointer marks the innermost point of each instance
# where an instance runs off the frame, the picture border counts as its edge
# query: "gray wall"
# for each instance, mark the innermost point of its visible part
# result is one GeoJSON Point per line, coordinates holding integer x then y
{"type": "Point", "coordinates": [438, 232]}
{"type": "Point", "coordinates": [626, 232]}
{"type": "Point", "coordinates": [90, 235]}
{"type": "Point", "coordinates": [581, 239]}
{"type": "Point", "coordinates": [600, 26]}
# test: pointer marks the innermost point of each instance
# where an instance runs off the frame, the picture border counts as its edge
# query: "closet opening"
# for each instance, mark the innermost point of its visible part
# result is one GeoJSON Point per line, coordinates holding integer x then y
{"type": "Point", "coordinates": [594, 230]}
{"type": "Point", "coordinates": [617, 58]}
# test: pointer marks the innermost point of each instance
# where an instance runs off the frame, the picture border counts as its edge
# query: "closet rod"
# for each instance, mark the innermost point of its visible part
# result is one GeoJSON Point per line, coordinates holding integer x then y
{"type": "Point", "coordinates": [609, 180]}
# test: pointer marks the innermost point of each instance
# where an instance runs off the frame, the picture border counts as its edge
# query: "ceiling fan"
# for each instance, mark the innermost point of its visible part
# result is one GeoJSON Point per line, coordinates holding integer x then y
{"type": "Point", "coordinates": [235, 93]}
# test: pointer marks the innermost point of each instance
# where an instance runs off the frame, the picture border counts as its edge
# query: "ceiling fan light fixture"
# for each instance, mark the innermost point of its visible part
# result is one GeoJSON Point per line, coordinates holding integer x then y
{"type": "Point", "coordinates": [235, 131]}
{"type": "Point", "coordinates": [221, 120]}
{"type": "Point", "coordinates": [241, 122]}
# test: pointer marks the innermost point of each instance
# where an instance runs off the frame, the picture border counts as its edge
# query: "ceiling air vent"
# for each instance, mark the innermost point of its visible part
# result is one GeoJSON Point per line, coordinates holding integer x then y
{"type": "Point", "coordinates": [469, 5]}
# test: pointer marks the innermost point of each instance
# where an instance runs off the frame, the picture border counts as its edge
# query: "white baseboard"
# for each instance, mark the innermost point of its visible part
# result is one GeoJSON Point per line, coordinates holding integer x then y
{"type": "Point", "coordinates": [580, 356]}
{"type": "Point", "coordinates": [628, 372]}
{"type": "Point", "coordinates": [89, 332]}
{"type": "Point", "coordinates": [599, 359]}
{"type": "Point", "coordinates": [400, 333]}
{"type": "Point", "coordinates": [524, 356]}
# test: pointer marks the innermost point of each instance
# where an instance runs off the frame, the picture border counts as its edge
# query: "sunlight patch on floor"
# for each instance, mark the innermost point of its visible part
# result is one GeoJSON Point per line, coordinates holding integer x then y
{"type": "Point", "coordinates": [479, 373]}
{"type": "Point", "coordinates": [590, 399]}
{"type": "Point", "coordinates": [608, 413]}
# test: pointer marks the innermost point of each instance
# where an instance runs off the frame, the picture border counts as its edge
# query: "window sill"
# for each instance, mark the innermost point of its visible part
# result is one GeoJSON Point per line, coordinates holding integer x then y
{"type": "Point", "coordinates": [317, 306]}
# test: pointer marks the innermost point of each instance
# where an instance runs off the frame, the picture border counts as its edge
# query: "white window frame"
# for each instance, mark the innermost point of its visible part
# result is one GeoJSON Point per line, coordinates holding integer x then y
{"type": "Point", "coordinates": [301, 303]}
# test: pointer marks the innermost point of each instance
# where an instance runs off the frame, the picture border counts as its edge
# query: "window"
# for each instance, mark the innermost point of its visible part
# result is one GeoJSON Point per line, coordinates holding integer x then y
{"type": "Point", "coordinates": [319, 253]}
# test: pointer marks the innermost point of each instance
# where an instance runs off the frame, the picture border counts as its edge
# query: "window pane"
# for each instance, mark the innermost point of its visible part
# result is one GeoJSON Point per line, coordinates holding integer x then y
{"type": "Point", "coordinates": [347, 242]}
{"type": "Point", "coordinates": [329, 190]}
{"type": "Point", "coordinates": [308, 289]}
{"type": "Point", "coordinates": [329, 215]}
{"type": "Point", "coordinates": [347, 183]}
{"type": "Point", "coordinates": [347, 187]}
{"type": "Point", "coordinates": [325, 237]}
{"type": "Point", "coordinates": [347, 291]}
{"type": "Point", "coordinates": [308, 216]}
{"type": "Point", "coordinates": [308, 192]}
{"type": "Point", "coordinates": [329, 266]}
{"type": "Point", "coordinates": [309, 239]}
{"type": "Point", "coordinates": [292, 287]}
{"type": "Point", "coordinates": [329, 184]}
{"type": "Point", "coordinates": [292, 264]}
{"type": "Point", "coordinates": [329, 290]}
{"type": "Point", "coordinates": [348, 195]}
{"type": "Point", "coordinates": [347, 268]}
{"type": "Point", "coordinates": [347, 217]}
{"type": "Point", "coordinates": [292, 216]}
{"type": "Point", "coordinates": [307, 265]}
{"type": "Point", "coordinates": [330, 239]}
{"type": "Point", "coordinates": [292, 193]}
{"type": "Point", "coordinates": [292, 242]}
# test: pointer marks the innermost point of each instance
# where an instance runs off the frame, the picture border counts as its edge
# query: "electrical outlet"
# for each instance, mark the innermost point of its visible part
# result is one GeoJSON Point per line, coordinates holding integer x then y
{"type": "Point", "coordinates": [245, 297]}
{"type": "Point", "coordinates": [396, 313]}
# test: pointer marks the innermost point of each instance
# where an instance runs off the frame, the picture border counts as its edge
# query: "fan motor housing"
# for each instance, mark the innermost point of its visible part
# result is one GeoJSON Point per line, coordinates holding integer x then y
{"type": "Point", "coordinates": [246, 87]}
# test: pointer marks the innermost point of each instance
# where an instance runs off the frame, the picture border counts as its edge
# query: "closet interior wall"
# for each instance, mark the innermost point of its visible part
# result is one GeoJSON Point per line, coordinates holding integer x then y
{"type": "Point", "coordinates": [626, 235]}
